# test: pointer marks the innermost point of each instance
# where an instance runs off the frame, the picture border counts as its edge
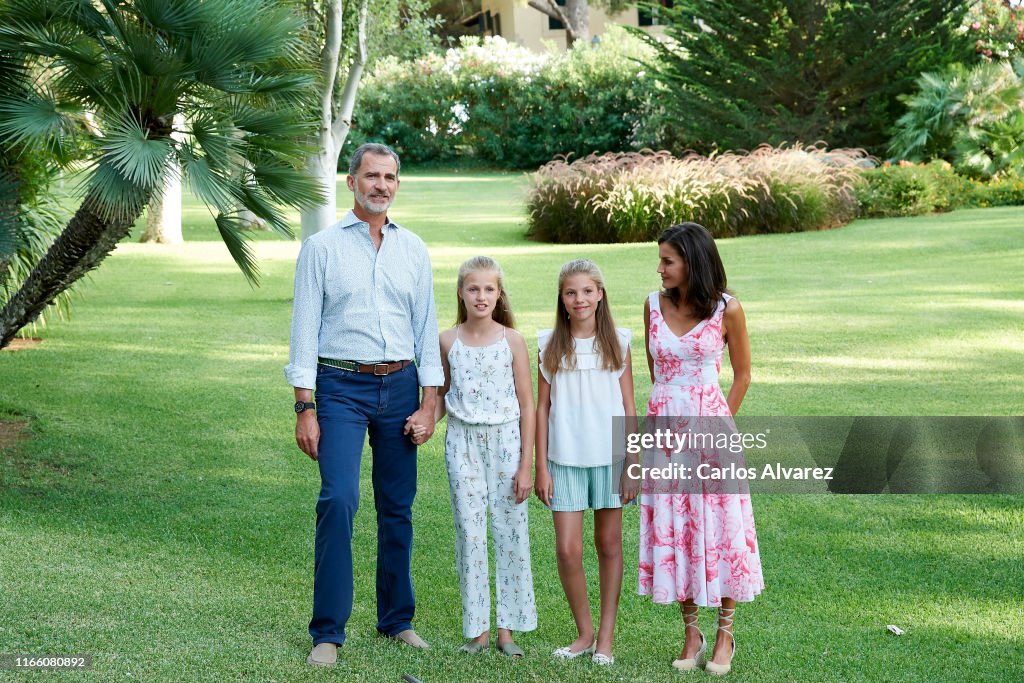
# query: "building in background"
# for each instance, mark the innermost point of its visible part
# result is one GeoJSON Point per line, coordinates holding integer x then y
{"type": "Point", "coordinates": [517, 22]}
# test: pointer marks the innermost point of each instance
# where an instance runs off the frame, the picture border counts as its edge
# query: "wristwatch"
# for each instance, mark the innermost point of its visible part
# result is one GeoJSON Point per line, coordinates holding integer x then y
{"type": "Point", "coordinates": [301, 406]}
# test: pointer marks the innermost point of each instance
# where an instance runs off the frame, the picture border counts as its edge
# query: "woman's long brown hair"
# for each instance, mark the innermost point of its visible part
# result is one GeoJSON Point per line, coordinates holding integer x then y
{"type": "Point", "coordinates": [706, 281]}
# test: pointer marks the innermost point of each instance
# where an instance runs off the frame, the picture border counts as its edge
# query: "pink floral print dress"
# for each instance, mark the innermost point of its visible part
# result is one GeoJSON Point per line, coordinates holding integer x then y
{"type": "Point", "coordinates": [699, 546]}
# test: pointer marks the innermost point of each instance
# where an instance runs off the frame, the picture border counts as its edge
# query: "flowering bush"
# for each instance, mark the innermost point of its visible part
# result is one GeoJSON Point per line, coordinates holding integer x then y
{"type": "Point", "coordinates": [1005, 191]}
{"type": "Point", "coordinates": [505, 105]}
{"type": "Point", "coordinates": [632, 197]}
{"type": "Point", "coordinates": [997, 27]}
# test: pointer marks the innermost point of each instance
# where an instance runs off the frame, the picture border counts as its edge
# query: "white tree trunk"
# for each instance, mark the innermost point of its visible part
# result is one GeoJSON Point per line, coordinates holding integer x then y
{"type": "Point", "coordinates": [323, 167]}
{"type": "Point", "coordinates": [579, 21]}
{"type": "Point", "coordinates": [335, 116]}
{"type": "Point", "coordinates": [163, 216]}
{"type": "Point", "coordinates": [575, 17]}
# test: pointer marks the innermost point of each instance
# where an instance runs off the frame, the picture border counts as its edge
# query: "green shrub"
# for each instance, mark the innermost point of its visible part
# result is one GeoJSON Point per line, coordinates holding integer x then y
{"type": "Point", "coordinates": [504, 105]}
{"type": "Point", "coordinates": [632, 197]}
{"type": "Point", "coordinates": [1005, 191]}
{"type": "Point", "coordinates": [747, 72]}
{"type": "Point", "coordinates": [971, 117]}
{"type": "Point", "coordinates": [908, 189]}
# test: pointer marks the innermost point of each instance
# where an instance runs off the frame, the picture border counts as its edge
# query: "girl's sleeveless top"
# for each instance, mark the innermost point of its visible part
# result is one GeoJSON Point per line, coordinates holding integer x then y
{"type": "Point", "coordinates": [483, 389]}
{"type": "Point", "coordinates": [585, 402]}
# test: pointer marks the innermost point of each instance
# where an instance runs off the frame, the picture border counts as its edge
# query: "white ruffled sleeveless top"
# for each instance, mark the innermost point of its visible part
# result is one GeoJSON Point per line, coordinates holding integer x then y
{"type": "Point", "coordinates": [583, 402]}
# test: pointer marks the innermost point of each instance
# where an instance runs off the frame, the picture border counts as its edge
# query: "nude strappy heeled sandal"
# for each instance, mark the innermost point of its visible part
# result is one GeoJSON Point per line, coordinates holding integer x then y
{"type": "Point", "coordinates": [690, 620]}
{"type": "Point", "coordinates": [725, 617]}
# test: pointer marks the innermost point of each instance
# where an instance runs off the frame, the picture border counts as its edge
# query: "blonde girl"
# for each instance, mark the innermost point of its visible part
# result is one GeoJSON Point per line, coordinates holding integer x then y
{"type": "Point", "coordinates": [585, 380]}
{"type": "Point", "coordinates": [489, 401]}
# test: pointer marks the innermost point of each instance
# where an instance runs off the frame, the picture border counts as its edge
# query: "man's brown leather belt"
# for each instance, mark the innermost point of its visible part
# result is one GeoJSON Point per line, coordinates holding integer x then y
{"type": "Point", "coordinates": [379, 369]}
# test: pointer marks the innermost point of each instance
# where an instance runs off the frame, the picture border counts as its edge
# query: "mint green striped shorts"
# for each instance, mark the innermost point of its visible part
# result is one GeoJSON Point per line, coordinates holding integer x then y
{"type": "Point", "coordinates": [579, 488]}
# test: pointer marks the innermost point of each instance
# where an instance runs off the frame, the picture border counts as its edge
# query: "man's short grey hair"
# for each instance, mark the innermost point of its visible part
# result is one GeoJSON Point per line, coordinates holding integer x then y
{"type": "Point", "coordinates": [372, 148]}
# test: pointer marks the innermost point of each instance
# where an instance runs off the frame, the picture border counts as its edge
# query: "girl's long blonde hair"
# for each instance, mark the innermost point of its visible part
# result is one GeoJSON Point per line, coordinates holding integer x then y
{"type": "Point", "coordinates": [502, 312]}
{"type": "Point", "coordinates": [562, 345]}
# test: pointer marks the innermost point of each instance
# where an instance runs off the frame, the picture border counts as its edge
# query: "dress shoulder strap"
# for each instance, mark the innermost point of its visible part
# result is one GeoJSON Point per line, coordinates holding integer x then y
{"type": "Point", "coordinates": [655, 301]}
{"type": "Point", "coordinates": [722, 303]}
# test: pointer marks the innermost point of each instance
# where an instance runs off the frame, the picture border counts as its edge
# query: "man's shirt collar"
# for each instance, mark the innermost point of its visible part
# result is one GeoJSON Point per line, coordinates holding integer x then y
{"type": "Point", "coordinates": [350, 219]}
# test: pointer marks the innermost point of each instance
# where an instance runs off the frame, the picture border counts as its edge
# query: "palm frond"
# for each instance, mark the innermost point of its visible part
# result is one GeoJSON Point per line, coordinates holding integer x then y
{"type": "Point", "coordinates": [232, 231]}
{"type": "Point", "coordinates": [36, 118]}
{"type": "Point", "coordinates": [288, 85]}
{"type": "Point", "coordinates": [221, 141]}
{"type": "Point", "coordinates": [51, 39]}
{"type": "Point", "coordinates": [286, 184]}
{"type": "Point", "coordinates": [116, 197]}
{"type": "Point", "coordinates": [277, 131]}
{"type": "Point", "coordinates": [171, 17]}
{"type": "Point", "coordinates": [255, 199]}
{"type": "Point", "coordinates": [206, 183]}
{"type": "Point", "coordinates": [140, 159]}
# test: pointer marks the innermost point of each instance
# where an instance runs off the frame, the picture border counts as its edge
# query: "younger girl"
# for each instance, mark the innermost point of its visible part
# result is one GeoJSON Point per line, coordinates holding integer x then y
{"type": "Point", "coordinates": [697, 549]}
{"type": "Point", "coordinates": [584, 381]}
{"type": "Point", "coordinates": [489, 400]}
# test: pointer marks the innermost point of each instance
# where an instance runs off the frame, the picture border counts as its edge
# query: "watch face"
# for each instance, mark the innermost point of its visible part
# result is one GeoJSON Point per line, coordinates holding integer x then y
{"type": "Point", "coordinates": [299, 406]}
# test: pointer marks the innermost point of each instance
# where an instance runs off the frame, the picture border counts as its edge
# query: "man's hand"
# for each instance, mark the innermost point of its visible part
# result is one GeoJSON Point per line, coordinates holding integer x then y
{"type": "Point", "coordinates": [420, 425]}
{"type": "Point", "coordinates": [307, 433]}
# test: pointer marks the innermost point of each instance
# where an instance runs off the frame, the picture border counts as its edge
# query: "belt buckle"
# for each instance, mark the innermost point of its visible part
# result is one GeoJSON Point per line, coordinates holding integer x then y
{"type": "Point", "coordinates": [385, 372]}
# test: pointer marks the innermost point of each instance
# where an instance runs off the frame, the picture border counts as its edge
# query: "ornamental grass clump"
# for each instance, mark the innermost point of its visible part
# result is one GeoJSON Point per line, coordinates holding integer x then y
{"type": "Point", "coordinates": [632, 197]}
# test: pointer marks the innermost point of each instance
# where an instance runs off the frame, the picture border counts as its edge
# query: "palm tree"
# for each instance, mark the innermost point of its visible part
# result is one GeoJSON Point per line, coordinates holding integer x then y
{"type": "Point", "coordinates": [238, 72]}
{"type": "Point", "coordinates": [29, 215]}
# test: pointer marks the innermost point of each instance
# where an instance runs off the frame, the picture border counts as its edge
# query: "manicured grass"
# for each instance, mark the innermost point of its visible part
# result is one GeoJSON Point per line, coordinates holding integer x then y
{"type": "Point", "coordinates": [161, 517]}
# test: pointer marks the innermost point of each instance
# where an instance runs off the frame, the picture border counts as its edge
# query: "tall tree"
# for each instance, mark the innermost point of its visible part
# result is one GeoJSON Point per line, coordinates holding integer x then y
{"type": "Point", "coordinates": [574, 15]}
{"type": "Point", "coordinates": [237, 68]}
{"type": "Point", "coordinates": [337, 85]}
{"type": "Point", "coordinates": [746, 72]}
{"type": "Point", "coordinates": [346, 42]}
{"type": "Point", "coordinates": [29, 214]}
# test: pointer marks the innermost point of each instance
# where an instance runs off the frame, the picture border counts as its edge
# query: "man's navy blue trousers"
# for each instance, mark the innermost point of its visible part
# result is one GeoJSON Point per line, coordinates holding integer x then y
{"type": "Point", "coordinates": [348, 405]}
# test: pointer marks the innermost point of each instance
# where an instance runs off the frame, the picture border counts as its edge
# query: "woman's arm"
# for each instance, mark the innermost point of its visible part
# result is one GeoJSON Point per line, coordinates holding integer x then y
{"type": "Point", "coordinates": [734, 330]}
{"type": "Point", "coordinates": [647, 337]}
{"type": "Point", "coordinates": [542, 486]}
{"type": "Point", "coordinates": [628, 487]}
{"type": "Point", "coordinates": [446, 340]}
{"type": "Point", "coordinates": [523, 481]}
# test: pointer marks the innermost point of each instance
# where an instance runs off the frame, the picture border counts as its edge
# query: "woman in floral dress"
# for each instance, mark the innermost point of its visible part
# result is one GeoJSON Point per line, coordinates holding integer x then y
{"type": "Point", "coordinates": [698, 549]}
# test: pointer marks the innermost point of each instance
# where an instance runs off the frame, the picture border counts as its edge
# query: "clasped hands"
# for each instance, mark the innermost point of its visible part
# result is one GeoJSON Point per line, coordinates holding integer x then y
{"type": "Point", "coordinates": [420, 426]}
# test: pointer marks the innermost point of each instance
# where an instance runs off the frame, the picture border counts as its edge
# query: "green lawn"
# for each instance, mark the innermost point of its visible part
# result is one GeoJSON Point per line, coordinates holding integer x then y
{"type": "Point", "coordinates": [161, 517]}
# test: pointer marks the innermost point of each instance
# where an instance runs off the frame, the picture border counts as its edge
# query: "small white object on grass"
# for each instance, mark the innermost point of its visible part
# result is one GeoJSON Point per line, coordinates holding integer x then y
{"type": "Point", "coordinates": [895, 630]}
